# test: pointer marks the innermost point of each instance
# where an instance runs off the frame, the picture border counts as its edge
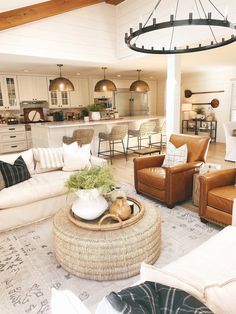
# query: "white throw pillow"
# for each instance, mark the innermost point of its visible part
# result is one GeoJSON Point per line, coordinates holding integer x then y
{"type": "Point", "coordinates": [175, 156]}
{"type": "Point", "coordinates": [75, 157]}
{"type": "Point", "coordinates": [48, 159]}
{"type": "Point", "coordinates": [26, 155]}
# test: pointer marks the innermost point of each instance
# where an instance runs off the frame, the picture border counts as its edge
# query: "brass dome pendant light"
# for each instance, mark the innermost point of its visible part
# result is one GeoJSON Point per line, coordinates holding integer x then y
{"type": "Point", "coordinates": [139, 85]}
{"type": "Point", "coordinates": [105, 85]}
{"type": "Point", "coordinates": [61, 84]}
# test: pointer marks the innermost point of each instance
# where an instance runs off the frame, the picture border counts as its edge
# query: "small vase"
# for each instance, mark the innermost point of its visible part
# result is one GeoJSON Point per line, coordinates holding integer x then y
{"type": "Point", "coordinates": [120, 208]}
{"type": "Point", "coordinates": [90, 204]}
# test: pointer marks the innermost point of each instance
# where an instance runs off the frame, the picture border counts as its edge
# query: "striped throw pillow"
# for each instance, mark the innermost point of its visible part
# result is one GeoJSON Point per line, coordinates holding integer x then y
{"type": "Point", "coordinates": [175, 156]}
{"type": "Point", "coordinates": [16, 173]}
{"type": "Point", "coordinates": [48, 159]}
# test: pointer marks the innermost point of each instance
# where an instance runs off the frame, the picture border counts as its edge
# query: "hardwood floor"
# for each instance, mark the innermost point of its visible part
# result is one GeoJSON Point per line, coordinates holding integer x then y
{"type": "Point", "coordinates": [123, 170]}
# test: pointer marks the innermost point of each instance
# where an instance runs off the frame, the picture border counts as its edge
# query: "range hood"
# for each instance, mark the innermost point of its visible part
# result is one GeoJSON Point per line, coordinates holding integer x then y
{"type": "Point", "coordinates": [33, 102]}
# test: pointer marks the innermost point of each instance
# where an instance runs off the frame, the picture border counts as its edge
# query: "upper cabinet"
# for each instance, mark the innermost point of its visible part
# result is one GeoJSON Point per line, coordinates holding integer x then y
{"type": "Point", "coordinates": [9, 97]}
{"type": "Point", "coordinates": [58, 99]}
{"type": "Point", "coordinates": [32, 88]}
{"type": "Point", "coordinates": [80, 96]}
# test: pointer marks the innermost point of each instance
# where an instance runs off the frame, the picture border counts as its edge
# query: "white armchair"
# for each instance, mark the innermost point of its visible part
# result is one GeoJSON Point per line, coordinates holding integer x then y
{"type": "Point", "coordinates": [230, 141]}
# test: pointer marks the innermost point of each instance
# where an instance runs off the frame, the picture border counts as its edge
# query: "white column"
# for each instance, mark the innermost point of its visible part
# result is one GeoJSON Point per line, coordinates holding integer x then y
{"type": "Point", "coordinates": [173, 94]}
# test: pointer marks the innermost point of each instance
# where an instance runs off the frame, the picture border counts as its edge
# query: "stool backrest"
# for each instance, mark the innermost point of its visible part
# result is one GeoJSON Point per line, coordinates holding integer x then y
{"type": "Point", "coordinates": [146, 128]}
{"type": "Point", "coordinates": [118, 132]}
{"type": "Point", "coordinates": [83, 136]}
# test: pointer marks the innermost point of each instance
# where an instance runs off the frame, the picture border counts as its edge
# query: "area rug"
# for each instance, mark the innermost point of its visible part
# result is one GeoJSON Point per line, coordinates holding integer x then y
{"type": "Point", "coordinates": [29, 270]}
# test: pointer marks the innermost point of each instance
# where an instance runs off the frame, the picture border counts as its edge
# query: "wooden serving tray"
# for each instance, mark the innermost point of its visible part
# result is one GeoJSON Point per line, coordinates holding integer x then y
{"type": "Point", "coordinates": [108, 222]}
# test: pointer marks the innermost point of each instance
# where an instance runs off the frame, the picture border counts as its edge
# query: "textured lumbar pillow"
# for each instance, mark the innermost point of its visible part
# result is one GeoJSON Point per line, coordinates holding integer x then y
{"type": "Point", "coordinates": [16, 173]}
{"type": "Point", "coordinates": [75, 157]}
{"type": "Point", "coordinates": [175, 156]}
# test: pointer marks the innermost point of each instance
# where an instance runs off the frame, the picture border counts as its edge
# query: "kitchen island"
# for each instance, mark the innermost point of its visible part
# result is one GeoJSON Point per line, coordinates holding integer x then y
{"type": "Point", "coordinates": [50, 134]}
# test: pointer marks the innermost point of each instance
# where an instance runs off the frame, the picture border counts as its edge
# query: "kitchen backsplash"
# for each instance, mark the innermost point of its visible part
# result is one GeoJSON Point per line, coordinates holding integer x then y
{"type": "Point", "coordinates": [68, 113]}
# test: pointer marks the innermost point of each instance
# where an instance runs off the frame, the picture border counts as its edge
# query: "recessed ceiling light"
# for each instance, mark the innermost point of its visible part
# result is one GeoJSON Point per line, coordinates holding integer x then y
{"type": "Point", "coordinates": [78, 73]}
{"type": "Point", "coordinates": [25, 70]}
{"type": "Point", "coordinates": [118, 75]}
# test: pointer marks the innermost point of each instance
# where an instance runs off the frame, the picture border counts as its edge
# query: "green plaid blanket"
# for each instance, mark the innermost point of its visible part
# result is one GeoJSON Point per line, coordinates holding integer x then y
{"type": "Point", "coordinates": [154, 298]}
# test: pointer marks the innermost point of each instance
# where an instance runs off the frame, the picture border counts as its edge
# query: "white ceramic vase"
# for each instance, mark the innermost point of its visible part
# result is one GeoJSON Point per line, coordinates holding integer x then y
{"type": "Point", "coordinates": [95, 115]}
{"type": "Point", "coordinates": [90, 204]}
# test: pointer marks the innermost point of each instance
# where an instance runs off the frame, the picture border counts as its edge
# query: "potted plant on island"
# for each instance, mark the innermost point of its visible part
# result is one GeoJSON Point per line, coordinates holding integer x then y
{"type": "Point", "coordinates": [95, 110]}
{"type": "Point", "coordinates": [89, 185]}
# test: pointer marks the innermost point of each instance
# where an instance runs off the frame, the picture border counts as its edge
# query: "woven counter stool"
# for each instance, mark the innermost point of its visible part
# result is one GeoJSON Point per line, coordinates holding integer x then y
{"type": "Point", "coordinates": [116, 136]}
{"type": "Point", "coordinates": [144, 132]}
{"type": "Point", "coordinates": [81, 136]}
{"type": "Point", "coordinates": [160, 129]}
{"type": "Point", "coordinates": [107, 255]}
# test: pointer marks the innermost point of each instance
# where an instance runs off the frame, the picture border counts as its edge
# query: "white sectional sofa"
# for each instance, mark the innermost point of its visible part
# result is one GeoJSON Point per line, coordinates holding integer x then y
{"type": "Point", "coordinates": [208, 273]}
{"type": "Point", "coordinates": [37, 198]}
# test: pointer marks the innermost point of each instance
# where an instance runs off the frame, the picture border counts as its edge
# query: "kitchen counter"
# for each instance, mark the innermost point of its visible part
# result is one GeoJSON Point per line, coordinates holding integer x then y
{"type": "Point", "coordinates": [66, 124]}
{"type": "Point", "coordinates": [50, 134]}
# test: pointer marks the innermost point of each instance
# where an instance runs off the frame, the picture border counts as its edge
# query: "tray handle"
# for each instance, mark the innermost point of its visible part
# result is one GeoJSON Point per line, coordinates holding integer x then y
{"type": "Point", "coordinates": [115, 217]}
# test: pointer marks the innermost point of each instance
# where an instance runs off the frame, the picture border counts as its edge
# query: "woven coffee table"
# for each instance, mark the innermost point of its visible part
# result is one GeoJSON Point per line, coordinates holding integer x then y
{"type": "Point", "coordinates": [107, 255]}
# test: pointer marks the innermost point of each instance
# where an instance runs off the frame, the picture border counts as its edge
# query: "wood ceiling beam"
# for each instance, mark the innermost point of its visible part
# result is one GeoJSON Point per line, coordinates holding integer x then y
{"type": "Point", "coordinates": [43, 10]}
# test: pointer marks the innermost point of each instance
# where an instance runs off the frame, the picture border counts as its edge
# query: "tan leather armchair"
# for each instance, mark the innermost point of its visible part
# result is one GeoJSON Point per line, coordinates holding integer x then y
{"type": "Point", "coordinates": [217, 192]}
{"type": "Point", "coordinates": [174, 184]}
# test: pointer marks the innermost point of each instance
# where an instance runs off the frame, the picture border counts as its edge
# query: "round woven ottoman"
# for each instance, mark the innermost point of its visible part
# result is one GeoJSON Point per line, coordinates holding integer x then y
{"type": "Point", "coordinates": [107, 255]}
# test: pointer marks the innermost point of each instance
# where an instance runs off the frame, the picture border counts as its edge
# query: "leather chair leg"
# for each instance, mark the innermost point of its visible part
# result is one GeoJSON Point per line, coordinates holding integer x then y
{"type": "Point", "coordinates": [203, 220]}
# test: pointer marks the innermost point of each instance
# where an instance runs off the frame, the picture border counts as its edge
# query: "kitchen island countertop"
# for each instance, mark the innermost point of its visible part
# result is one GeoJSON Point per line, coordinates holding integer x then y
{"type": "Point", "coordinates": [66, 124]}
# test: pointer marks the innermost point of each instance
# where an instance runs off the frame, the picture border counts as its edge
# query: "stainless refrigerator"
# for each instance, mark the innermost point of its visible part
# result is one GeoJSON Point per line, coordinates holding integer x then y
{"type": "Point", "coordinates": [131, 103]}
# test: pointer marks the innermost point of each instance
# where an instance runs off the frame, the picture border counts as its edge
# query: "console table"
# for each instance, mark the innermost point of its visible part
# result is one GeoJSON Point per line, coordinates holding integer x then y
{"type": "Point", "coordinates": [199, 126]}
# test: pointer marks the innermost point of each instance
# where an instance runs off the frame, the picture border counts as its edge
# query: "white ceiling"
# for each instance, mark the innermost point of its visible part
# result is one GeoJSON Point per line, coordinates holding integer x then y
{"type": "Point", "coordinates": [153, 66]}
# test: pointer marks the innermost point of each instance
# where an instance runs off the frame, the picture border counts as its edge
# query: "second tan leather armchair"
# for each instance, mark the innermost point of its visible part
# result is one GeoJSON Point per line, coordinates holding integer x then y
{"type": "Point", "coordinates": [171, 185]}
{"type": "Point", "coordinates": [217, 193]}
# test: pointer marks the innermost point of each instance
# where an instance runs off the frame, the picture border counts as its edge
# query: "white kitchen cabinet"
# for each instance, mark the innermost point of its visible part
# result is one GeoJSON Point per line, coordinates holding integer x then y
{"type": "Point", "coordinates": [80, 96]}
{"type": "Point", "coordinates": [32, 88]}
{"type": "Point", "coordinates": [12, 138]}
{"type": "Point", "coordinates": [58, 99]}
{"type": "Point", "coordinates": [9, 97]}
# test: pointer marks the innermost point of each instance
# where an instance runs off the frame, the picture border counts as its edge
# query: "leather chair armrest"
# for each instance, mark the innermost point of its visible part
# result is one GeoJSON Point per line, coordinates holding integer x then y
{"type": "Point", "coordinates": [147, 162]}
{"type": "Point", "coordinates": [184, 167]}
{"type": "Point", "coordinates": [213, 180]}
{"type": "Point", "coordinates": [218, 179]}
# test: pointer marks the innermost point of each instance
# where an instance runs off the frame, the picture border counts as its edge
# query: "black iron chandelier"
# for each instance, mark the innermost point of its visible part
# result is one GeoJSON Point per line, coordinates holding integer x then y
{"type": "Point", "coordinates": [152, 24]}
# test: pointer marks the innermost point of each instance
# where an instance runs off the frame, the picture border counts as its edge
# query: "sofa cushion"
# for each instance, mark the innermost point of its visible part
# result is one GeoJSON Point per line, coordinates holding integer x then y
{"type": "Point", "coordinates": [26, 155]}
{"type": "Point", "coordinates": [16, 173]}
{"type": "Point", "coordinates": [175, 156]}
{"type": "Point", "coordinates": [222, 198]}
{"type": "Point", "coordinates": [38, 187]}
{"type": "Point", "coordinates": [155, 274]}
{"type": "Point", "coordinates": [154, 176]}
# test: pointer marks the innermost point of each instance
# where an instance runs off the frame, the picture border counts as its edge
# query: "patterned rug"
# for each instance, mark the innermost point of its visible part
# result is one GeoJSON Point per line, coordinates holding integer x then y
{"type": "Point", "coordinates": [29, 270]}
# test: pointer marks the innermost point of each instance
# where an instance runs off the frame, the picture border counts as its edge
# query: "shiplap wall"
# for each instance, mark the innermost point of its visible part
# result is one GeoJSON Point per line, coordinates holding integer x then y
{"type": "Point", "coordinates": [87, 34]}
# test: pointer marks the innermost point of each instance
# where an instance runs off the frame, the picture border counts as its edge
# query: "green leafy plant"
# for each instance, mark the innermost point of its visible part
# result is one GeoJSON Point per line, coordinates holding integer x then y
{"type": "Point", "coordinates": [84, 111]}
{"type": "Point", "coordinates": [95, 177]}
{"type": "Point", "coordinates": [96, 107]}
